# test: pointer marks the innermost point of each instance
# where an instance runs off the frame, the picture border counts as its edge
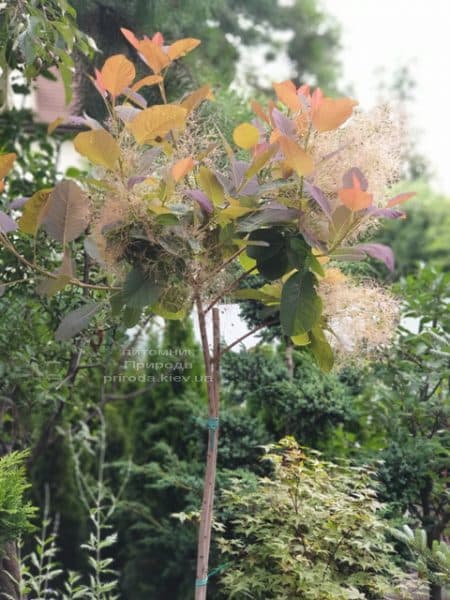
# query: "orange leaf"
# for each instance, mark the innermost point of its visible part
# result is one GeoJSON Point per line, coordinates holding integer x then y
{"type": "Point", "coordinates": [153, 55]}
{"type": "Point", "coordinates": [129, 35]}
{"type": "Point", "coordinates": [182, 47]}
{"type": "Point", "coordinates": [287, 94]}
{"type": "Point", "coordinates": [158, 38]}
{"type": "Point", "coordinates": [400, 198]}
{"type": "Point", "coordinates": [182, 168]}
{"type": "Point", "coordinates": [259, 111]}
{"type": "Point", "coordinates": [196, 97]}
{"type": "Point", "coordinates": [117, 74]}
{"type": "Point", "coordinates": [156, 121]}
{"type": "Point", "coordinates": [355, 198]}
{"type": "Point", "coordinates": [6, 163]}
{"type": "Point", "coordinates": [331, 113]}
{"type": "Point", "coordinates": [149, 80]}
{"type": "Point", "coordinates": [246, 136]}
{"type": "Point", "coordinates": [296, 158]}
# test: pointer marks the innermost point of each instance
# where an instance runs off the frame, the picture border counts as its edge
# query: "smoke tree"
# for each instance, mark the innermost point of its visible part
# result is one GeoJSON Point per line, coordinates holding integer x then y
{"type": "Point", "coordinates": [173, 218]}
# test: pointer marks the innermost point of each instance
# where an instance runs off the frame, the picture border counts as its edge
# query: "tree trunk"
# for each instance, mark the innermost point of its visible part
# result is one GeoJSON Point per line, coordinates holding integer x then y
{"type": "Point", "coordinates": [435, 592]}
{"type": "Point", "coordinates": [212, 369]}
{"type": "Point", "coordinates": [9, 572]}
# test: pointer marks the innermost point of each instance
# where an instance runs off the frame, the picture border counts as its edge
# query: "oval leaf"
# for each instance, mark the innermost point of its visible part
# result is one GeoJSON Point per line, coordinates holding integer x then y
{"type": "Point", "coordinates": [34, 212]}
{"type": "Point", "coordinates": [99, 147]}
{"type": "Point", "coordinates": [76, 321]}
{"type": "Point", "coordinates": [182, 47]}
{"type": "Point", "coordinates": [246, 136]}
{"type": "Point", "coordinates": [296, 158]}
{"type": "Point", "coordinates": [117, 73]}
{"type": "Point", "coordinates": [332, 112]}
{"type": "Point", "coordinates": [67, 214]}
{"type": "Point", "coordinates": [300, 307]}
{"type": "Point", "coordinates": [156, 122]}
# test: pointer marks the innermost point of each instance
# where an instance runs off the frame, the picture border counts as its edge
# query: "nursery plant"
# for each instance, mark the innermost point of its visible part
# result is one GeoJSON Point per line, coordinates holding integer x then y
{"type": "Point", "coordinates": [173, 218]}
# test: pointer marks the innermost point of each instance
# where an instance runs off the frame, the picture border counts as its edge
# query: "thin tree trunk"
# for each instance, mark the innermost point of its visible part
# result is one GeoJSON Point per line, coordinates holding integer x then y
{"type": "Point", "coordinates": [212, 369]}
{"type": "Point", "coordinates": [9, 572]}
{"type": "Point", "coordinates": [435, 592]}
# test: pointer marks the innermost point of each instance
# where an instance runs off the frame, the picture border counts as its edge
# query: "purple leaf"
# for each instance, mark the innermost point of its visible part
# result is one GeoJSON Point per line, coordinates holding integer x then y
{"type": "Point", "coordinates": [135, 180]}
{"type": "Point", "coordinates": [317, 195]}
{"type": "Point", "coordinates": [380, 252]}
{"type": "Point", "coordinates": [84, 121]}
{"type": "Point", "coordinates": [127, 113]}
{"type": "Point", "coordinates": [135, 97]}
{"type": "Point", "coordinates": [347, 180]}
{"type": "Point", "coordinates": [283, 123]}
{"type": "Point", "coordinates": [334, 153]}
{"type": "Point", "coordinates": [18, 203]}
{"type": "Point", "coordinates": [6, 223]}
{"type": "Point", "coordinates": [385, 213]}
{"type": "Point", "coordinates": [202, 199]}
{"type": "Point", "coordinates": [238, 170]}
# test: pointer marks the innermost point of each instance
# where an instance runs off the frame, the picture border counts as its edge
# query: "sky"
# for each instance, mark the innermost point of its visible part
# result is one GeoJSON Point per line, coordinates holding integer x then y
{"type": "Point", "coordinates": [386, 34]}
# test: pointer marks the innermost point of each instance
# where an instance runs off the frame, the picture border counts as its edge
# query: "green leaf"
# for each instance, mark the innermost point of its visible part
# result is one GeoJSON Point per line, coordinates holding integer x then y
{"type": "Point", "coordinates": [321, 349]}
{"type": "Point", "coordinates": [271, 255]}
{"type": "Point", "coordinates": [300, 307]}
{"type": "Point", "coordinates": [76, 321]}
{"type": "Point", "coordinates": [298, 252]}
{"type": "Point", "coordinates": [139, 290]}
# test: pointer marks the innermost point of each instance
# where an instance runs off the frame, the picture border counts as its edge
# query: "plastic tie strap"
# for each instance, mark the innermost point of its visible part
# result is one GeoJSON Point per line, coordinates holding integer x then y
{"type": "Point", "coordinates": [213, 426]}
{"type": "Point", "coordinates": [203, 582]}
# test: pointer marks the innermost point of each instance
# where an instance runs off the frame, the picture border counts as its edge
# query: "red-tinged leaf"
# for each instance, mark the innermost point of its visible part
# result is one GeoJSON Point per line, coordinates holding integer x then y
{"type": "Point", "coordinates": [296, 158]}
{"type": "Point", "coordinates": [202, 200]}
{"type": "Point", "coordinates": [117, 74]}
{"type": "Point", "coordinates": [400, 198]}
{"type": "Point", "coordinates": [130, 37]}
{"type": "Point", "coordinates": [98, 82]}
{"type": "Point", "coordinates": [331, 113]}
{"type": "Point", "coordinates": [182, 168]}
{"type": "Point", "coordinates": [259, 111]}
{"type": "Point", "coordinates": [182, 47]}
{"type": "Point", "coordinates": [355, 198]}
{"type": "Point", "coordinates": [287, 94]}
{"type": "Point", "coordinates": [380, 252]}
{"type": "Point", "coordinates": [6, 223]}
{"type": "Point", "coordinates": [158, 38]}
{"type": "Point", "coordinates": [349, 179]}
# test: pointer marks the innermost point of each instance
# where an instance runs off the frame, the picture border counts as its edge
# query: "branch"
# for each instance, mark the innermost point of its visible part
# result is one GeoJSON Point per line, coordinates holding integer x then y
{"type": "Point", "coordinates": [229, 288]}
{"type": "Point", "coordinates": [249, 333]}
{"type": "Point", "coordinates": [43, 271]}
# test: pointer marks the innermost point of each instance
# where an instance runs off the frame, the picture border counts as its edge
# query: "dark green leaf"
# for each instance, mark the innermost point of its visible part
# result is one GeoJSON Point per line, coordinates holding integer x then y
{"type": "Point", "coordinates": [300, 307]}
